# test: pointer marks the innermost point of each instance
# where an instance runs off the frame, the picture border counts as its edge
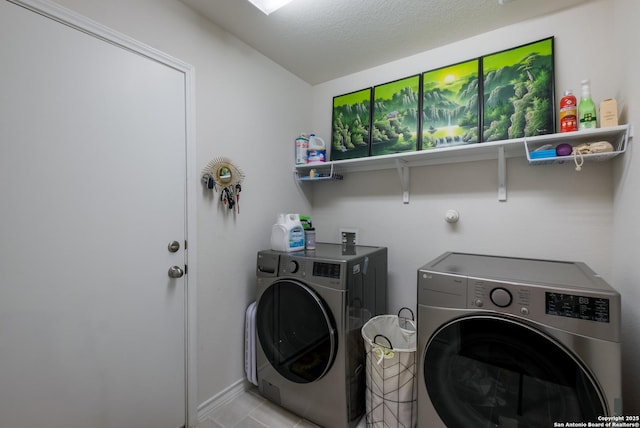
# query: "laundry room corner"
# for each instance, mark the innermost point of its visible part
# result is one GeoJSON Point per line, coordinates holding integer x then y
{"type": "Point", "coordinates": [549, 212]}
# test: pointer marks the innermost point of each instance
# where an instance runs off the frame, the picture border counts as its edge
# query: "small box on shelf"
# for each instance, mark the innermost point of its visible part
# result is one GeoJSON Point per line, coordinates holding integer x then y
{"type": "Point", "coordinates": [541, 154]}
{"type": "Point", "coordinates": [608, 113]}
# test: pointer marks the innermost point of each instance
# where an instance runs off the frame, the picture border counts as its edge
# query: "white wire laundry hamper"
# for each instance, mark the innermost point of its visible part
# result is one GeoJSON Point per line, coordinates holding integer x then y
{"type": "Point", "coordinates": [391, 396]}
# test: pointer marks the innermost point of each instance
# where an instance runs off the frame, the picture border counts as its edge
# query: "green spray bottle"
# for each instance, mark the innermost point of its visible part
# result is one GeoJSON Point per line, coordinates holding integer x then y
{"type": "Point", "coordinates": [586, 108]}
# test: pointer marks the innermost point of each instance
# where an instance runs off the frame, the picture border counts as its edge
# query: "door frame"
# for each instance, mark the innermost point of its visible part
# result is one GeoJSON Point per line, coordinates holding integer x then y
{"type": "Point", "coordinates": [81, 23]}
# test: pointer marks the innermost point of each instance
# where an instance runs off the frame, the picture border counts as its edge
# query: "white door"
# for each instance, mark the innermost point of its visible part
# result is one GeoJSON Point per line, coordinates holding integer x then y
{"type": "Point", "coordinates": [92, 190]}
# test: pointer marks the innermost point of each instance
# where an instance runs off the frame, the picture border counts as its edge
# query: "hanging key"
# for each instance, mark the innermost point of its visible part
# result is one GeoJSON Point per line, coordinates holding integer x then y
{"type": "Point", "coordinates": [238, 190]}
{"type": "Point", "coordinates": [230, 201]}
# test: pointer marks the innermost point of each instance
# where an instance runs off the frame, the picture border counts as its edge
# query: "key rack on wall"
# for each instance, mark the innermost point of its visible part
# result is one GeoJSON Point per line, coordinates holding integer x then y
{"type": "Point", "coordinates": [618, 136]}
{"type": "Point", "coordinates": [223, 175]}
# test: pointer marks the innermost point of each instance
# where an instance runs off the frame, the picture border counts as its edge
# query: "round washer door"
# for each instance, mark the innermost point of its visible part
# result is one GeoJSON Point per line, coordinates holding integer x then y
{"type": "Point", "coordinates": [492, 371]}
{"type": "Point", "coordinates": [296, 331]}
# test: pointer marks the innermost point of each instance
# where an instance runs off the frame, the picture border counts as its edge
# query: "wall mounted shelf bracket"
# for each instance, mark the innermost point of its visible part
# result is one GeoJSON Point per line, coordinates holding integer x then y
{"type": "Point", "coordinates": [502, 175]}
{"type": "Point", "coordinates": [403, 172]}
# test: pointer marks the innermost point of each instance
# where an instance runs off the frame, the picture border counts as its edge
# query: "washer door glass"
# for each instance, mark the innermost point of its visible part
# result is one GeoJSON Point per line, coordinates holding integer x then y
{"type": "Point", "coordinates": [483, 371]}
{"type": "Point", "coordinates": [296, 331]}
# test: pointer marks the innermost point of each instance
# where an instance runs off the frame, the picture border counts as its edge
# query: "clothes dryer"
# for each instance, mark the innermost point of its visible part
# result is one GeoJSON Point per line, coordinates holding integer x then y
{"type": "Point", "coordinates": [515, 342]}
{"type": "Point", "coordinates": [311, 306]}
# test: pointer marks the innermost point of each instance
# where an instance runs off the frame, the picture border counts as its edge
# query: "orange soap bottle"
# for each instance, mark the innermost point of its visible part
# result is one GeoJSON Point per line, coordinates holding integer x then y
{"type": "Point", "coordinates": [568, 112]}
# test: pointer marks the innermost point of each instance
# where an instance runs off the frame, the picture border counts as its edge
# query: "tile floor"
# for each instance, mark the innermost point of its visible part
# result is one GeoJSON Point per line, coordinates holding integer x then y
{"type": "Point", "coordinates": [250, 410]}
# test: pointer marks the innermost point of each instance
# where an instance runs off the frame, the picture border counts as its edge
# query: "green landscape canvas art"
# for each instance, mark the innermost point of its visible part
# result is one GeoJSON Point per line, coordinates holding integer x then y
{"type": "Point", "coordinates": [350, 136]}
{"type": "Point", "coordinates": [395, 116]}
{"type": "Point", "coordinates": [518, 92]}
{"type": "Point", "coordinates": [450, 109]}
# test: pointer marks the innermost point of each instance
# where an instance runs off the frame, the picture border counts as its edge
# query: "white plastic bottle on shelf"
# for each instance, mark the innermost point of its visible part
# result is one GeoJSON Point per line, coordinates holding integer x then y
{"type": "Point", "coordinates": [586, 108]}
{"type": "Point", "coordinates": [317, 151]}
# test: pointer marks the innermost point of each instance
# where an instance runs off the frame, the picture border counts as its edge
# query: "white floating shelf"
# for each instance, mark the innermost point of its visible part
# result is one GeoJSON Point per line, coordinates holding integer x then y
{"type": "Point", "coordinates": [498, 150]}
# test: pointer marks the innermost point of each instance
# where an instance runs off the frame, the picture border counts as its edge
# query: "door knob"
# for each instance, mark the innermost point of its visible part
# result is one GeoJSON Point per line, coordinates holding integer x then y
{"type": "Point", "coordinates": [175, 272]}
{"type": "Point", "coordinates": [173, 246]}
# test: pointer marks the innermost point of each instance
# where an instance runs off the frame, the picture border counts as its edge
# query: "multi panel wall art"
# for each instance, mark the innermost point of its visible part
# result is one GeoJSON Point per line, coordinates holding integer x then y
{"type": "Point", "coordinates": [395, 116]}
{"type": "Point", "coordinates": [350, 134]}
{"type": "Point", "coordinates": [518, 92]}
{"type": "Point", "coordinates": [450, 110]}
{"type": "Point", "coordinates": [504, 95]}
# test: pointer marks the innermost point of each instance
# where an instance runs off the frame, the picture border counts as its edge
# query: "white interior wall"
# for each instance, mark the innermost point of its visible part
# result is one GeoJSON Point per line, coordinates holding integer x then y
{"type": "Point", "coordinates": [250, 110]}
{"type": "Point", "coordinates": [551, 212]}
{"type": "Point", "coordinates": [626, 208]}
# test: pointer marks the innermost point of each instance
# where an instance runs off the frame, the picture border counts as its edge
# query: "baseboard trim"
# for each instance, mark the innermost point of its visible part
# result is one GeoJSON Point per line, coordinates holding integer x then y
{"type": "Point", "coordinates": [223, 397]}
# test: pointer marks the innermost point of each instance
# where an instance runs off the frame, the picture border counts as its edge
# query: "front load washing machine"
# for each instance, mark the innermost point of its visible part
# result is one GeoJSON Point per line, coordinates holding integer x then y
{"type": "Point", "coordinates": [513, 342]}
{"type": "Point", "coordinates": [311, 306]}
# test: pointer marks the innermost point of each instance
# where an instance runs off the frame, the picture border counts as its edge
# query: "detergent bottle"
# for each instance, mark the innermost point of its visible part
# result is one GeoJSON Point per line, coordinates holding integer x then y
{"type": "Point", "coordinates": [317, 151]}
{"type": "Point", "coordinates": [287, 233]}
{"type": "Point", "coordinates": [302, 146]}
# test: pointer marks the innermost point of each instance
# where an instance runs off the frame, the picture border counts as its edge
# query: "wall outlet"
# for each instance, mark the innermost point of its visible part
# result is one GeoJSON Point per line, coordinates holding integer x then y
{"type": "Point", "coordinates": [349, 235]}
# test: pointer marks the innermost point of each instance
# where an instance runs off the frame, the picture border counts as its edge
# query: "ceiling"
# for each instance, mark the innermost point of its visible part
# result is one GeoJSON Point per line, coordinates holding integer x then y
{"type": "Point", "coordinates": [320, 40]}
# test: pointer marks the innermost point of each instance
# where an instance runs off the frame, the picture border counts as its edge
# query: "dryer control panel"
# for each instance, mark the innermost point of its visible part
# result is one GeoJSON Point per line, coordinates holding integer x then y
{"type": "Point", "coordinates": [588, 312]}
{"type": "Point", "coordinates": [576, 306]}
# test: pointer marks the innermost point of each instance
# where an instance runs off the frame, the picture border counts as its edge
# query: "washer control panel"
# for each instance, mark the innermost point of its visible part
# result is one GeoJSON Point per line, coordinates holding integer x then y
{"type": "Point", "coordinates": [292, 266]}
{"type": "Point", "coordinates": [501, 297]}
{"type": "Point", "coordinates": [321, 272]}
{"type": "Point", "coordinates": [511, 298]}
